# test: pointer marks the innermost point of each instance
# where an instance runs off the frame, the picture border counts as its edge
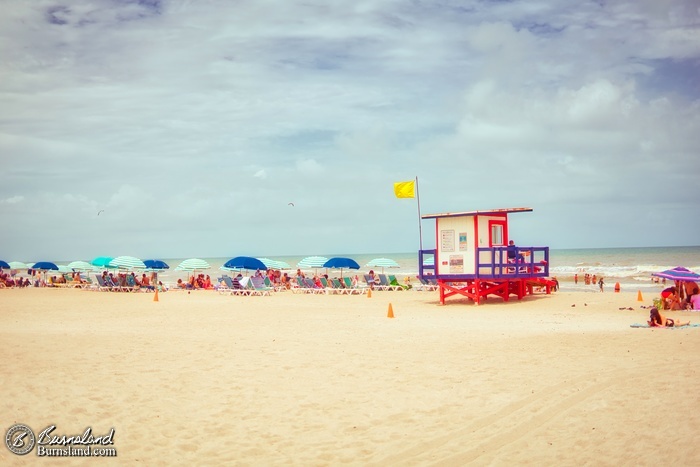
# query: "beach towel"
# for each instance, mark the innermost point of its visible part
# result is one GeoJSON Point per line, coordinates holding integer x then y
{"type": "Point", "coordinates": [645, 325]}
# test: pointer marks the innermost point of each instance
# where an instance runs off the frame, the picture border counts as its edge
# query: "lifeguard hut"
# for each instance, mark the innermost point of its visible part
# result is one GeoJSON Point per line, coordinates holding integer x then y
{"type": "Point", "coordinates": [472, 257]}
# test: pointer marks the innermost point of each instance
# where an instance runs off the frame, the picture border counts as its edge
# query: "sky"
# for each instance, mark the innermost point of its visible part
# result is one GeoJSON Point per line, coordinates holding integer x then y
{"type": "Point", "coordinates": [179, 129]}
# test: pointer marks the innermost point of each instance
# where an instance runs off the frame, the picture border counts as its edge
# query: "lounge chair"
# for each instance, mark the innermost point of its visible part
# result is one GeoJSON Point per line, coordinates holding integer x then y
{"type": "Point", "coordinates": [338, 288]}
{"type": "Point", "coordinates": [427, 285]}
{"type": "Point", "coordinates": [394, 281]}
{"type": "Point", "coordinates": [259, 287]}
{"type": "Point", "coordinates": [310, 287]}
{"type": "Point", "coordinates": [238, 288]}
{"type": "Point", "coordinates": [225, 285]}
{"type": "Point", "coordinates": [102, 286]}
{"type": "Point", "coordinates": [354, 289]}
{"type": "Point", "coordinates": [384, 282]}
{"type": "Point", "coordinates": [372, 284]}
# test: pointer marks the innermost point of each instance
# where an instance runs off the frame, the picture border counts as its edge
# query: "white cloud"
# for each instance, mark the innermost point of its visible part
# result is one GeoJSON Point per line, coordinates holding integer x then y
{"type": "Point", "coordinates": [168, 117]}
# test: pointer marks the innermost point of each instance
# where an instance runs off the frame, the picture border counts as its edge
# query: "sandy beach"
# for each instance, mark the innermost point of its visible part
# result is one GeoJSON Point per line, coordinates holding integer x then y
{"type": "Point", "coordinates": [294, 379]}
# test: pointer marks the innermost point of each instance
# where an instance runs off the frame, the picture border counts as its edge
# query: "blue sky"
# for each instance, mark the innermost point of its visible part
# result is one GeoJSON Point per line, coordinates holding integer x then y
{"type": "Point", "coordinates": [193, 125]}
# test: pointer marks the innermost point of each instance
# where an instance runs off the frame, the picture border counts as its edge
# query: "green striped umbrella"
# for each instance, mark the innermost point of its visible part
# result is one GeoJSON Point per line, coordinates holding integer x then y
{"type": "Point", "coordinates": [16, 265]}
{"type": "Point", "coordinates": [382, 263]}
{"type": "Point", "coordinates": [81, 266]}
{"type": "Point", "coordinates": [192, 264]}
{"type": "Point", "coordinates": [127, 262]}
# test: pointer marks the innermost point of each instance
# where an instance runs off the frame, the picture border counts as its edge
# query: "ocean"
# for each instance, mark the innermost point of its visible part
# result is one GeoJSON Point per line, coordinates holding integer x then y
{"type": "Point", "coordinates": [631, 267]}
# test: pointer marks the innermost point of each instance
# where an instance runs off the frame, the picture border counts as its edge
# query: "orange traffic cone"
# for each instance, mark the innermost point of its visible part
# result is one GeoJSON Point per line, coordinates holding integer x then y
{"type": "Point", "coordinates": [155, 297]}
{"type": "Point", "coordinates": [369, 293]}
{"type": "Point", "coordinates": [390, 314]}
{"type": "Point", "coordinates": [639, 296]}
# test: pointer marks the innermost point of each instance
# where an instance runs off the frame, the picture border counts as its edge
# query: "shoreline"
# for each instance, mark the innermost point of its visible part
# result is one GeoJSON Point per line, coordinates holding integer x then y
{"type": "Point", "coordinates": [314, 379]}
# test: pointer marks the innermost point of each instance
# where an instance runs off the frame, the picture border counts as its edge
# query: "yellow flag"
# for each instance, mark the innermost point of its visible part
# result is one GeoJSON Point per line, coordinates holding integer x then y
{"type": "Point", "coordinates": [405, 189]}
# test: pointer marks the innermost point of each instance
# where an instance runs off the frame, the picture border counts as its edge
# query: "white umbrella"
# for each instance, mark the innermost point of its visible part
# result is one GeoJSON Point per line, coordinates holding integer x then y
{"type": "Point", "coordinates": [127, 262]}
{"type": "Point", "coordinates": [382, 263]}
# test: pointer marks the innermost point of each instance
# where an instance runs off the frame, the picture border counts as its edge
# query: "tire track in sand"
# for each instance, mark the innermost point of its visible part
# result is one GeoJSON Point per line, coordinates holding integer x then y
{"type": "Point", "coordinates": [511, 423]}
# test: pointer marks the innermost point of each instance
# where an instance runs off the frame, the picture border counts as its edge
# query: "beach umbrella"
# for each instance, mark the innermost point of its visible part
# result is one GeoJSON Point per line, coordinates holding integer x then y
{"type": "Point", "coordinates": [80, 266]}
{"type": "Point", "coordinates": [64, 268]}
{"type": "Point", "coordinates": [192, 264]}
{"type": "Point", "coordinates": [155, 264]}
{"type": "Point", "coordinates": [341, 263]}
{"type": "Point", "coordinates": [382, 263]}
{"type": "Point", "coordinates": [4, 265]}
{"type": "Point", "coordinates": [45, 266]}
{"type": "Point", "coordinates": [18, 265]}
{"type": "Point", "coordinates": [312, 262]}
{"type": "Point", "coordinates": [127, 262]}
{"type": "Point", "coordinates": [272, 264]}
{"type": "Point", "coordinates": [678, 274]}
{"type": "Point", "coordinates": [244, 262]}
{"type": "Point", "coordinates": [102, 261]}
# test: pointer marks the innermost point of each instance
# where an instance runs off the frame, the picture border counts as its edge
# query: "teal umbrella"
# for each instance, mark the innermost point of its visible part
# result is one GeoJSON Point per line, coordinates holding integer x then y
{"type": "Point", "coordinates": [102, 261]}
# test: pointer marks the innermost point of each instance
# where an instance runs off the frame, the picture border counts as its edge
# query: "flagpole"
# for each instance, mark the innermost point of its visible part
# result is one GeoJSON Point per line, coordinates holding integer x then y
{"type": "Point", "coordinates": [420, 227]}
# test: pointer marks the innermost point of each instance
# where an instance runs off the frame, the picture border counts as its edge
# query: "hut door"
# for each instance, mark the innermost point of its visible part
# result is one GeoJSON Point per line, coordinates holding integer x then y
{"type": "Point", "coordinates": [497, 230]}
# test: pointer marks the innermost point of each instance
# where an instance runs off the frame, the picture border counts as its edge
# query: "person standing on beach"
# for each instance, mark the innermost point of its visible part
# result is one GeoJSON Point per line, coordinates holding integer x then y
{"type": "Point", "coordinates": [575, 278]}
{"type": "Point", "coordinates": [601, 284]}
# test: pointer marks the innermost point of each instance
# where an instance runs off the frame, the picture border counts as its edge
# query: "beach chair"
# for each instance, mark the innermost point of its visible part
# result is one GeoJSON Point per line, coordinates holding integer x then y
{"type": "Point", "coordinates": [354, 289]}
{"type": "Point", "coordinates": [372, 284]}
{"type": "Point", "coordinates": [259, 287]}
{"type": "Point", "coordinates": [384, 282]}
{"type": "Point", "coordinates": [328, 286]}
{"type": "Point", "coordinates": [225, 285]}
{"type": "Point", "coordinates": [427, 285]}
{"type": "Point", "coordinates": [394, 281]}
{"type": "Point", "coordinates": [313, 288]}
{"type": "Point", "coordinates": [102, 285]}
{"type": "Point", "coordinates": [275, 288]}
{"type": "Point", "coordinates": [238, 288]}
{"type": "Point", "coordinates": [338, 287]}
{"type": "Point", "coordinates": [130, 284]}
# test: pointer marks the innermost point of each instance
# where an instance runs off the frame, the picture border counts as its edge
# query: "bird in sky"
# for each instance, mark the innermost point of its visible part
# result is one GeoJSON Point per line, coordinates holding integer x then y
{"type": "Point", "coordinates": [291, 204]}
{"type": "Point", "coordinates": [100, 211]}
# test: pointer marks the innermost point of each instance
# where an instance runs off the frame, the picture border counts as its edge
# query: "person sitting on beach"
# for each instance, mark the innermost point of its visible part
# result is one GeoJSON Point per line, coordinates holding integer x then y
{"type": "Point", "coordinates": [671, 299]}
{"type": "Point", "coordinates": [180, 284]}
{"type": "Point", "coordinates": [656, 319]}
{"type": "Point", "coordinates": [286, 281]}
{"type": "Point", "coordinates": [694, 300]}
{"type": "Point", "coordinates": [207, 283]}
{"type": "Point", "coordinates": [374, 279]}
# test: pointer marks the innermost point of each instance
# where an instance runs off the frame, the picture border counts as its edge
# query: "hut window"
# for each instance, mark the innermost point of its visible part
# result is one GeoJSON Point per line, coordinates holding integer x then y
{"type": "Point", "coordinates": [496, 234]}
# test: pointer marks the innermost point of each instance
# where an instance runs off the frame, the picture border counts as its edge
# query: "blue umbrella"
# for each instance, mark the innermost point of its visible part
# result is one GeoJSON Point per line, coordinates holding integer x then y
{"type": "Point", "coordinates": [341, 263]}
{"type": "Point", "coordinates": [4, 265]}
{"type": "Point", "coordinates": [45, 266]}
{"type": "Point", "coordinates": [244, 262]}
{"type": "Point", "coordinates": [156, 264]}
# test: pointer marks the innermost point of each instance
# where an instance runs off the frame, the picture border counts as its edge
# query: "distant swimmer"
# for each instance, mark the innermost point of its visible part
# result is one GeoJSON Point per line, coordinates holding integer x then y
{"type": "Point", "coordinates": [100, 212]}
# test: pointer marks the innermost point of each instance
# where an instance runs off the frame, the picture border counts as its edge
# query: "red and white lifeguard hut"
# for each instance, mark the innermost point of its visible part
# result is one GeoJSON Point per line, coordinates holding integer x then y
{"type": "Point", "coordinates": [472, 257]}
